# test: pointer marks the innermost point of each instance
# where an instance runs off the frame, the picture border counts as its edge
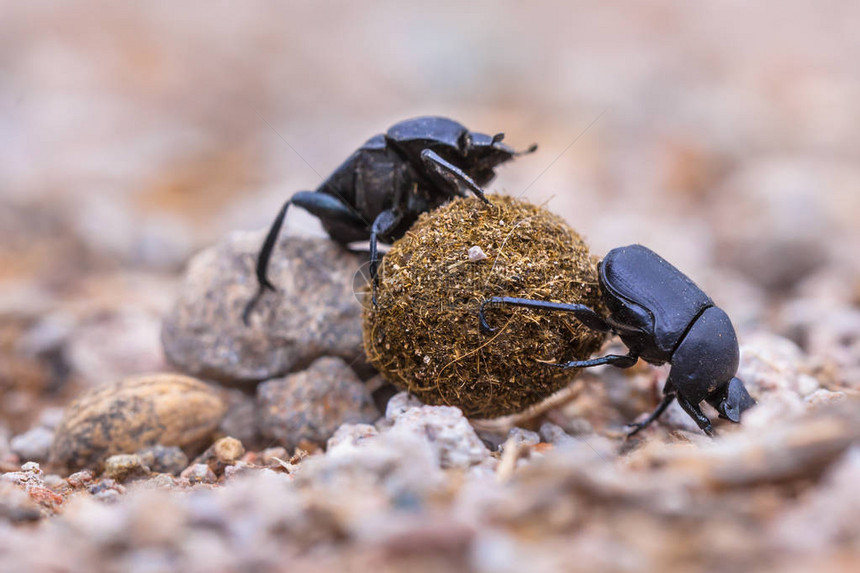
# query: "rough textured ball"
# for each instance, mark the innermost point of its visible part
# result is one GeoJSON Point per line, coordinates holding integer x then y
{"type": "Point", "coordinates": [423, 335]}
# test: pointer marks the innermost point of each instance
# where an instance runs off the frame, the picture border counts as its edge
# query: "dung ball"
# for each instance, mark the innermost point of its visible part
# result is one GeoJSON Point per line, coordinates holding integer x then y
{"type": "Point", "coordinates": [423, 334]}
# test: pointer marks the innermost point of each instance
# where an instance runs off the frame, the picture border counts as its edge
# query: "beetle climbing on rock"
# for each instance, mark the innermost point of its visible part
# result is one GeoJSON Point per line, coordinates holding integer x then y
{"type": "Point", "coordinates": [382, 188]}
{"type": "Point", "coordinates": [662, 317]}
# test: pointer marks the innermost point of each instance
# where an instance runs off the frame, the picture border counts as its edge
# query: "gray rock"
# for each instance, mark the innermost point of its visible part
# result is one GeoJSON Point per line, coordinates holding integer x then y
{"type": "Point", "coordinates": [314, 313]}
{"type": "Point", "coordinates": [449, 433]}
{"type": "Point", "coordinates": [312, 404]}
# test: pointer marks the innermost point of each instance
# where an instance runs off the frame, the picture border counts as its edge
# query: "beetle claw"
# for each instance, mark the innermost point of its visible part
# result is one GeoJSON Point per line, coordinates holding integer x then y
{"type": "Point", "coordinates": [486, 328]}
{"type": "Point", "coordinates": [634, 428]}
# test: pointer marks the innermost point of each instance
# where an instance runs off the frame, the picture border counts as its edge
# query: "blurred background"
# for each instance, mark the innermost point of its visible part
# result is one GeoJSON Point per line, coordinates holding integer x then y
{"type": "Point", "coordinates": [722, 135]}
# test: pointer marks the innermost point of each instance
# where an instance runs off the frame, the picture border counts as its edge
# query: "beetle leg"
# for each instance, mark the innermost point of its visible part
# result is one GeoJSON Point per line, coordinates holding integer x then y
{"type": "Point", "coordinates": [263, 262]}
{"type": "Point", "coordinates": [694, 412]}
{"type": "Point", "coordinates": [328, 207]}
{"type": "Point", "coordinates": [617, 360]}
{"type": "Point", "coordinates": [530, 149]}
{"type": "Point", "coordinates": [584, 314]}
{"type": "Point", "coordinates": [323, 206]}
{"type": "Point", "coordinates": [451, 176]}
{"type": "Point", "coordinates": [384, 223]}
{"type": "Point", "coordinates": [661, 407]}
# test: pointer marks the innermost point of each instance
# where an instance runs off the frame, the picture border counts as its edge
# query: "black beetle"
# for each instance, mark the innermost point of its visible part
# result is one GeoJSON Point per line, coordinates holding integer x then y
{"type": "Point", "coordinates": [382, 188]}
{"type": "Point", "coordinates": [662, 317]}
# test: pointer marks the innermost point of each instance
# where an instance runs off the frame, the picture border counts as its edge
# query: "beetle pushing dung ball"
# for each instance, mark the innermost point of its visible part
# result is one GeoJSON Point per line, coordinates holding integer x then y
{"type": "Point", "coordinates": [423, 333]}
{"type": "Point", "coordinates": [382, 188]}
{"type": "Point", "coordinates": [662, 317]}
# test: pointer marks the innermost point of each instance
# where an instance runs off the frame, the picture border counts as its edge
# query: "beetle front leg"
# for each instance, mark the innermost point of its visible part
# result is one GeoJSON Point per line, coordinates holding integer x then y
{"type": "Point", "coordinates": [617, 360]}
{"type": "Point", "coordinates": [583, 314]}
{"type": "Point", "coordinates": [384, 223]}
{"type": "Point", "coordinates": [451, 176]}
{"type": "Point", "coordinates": [694, 412]}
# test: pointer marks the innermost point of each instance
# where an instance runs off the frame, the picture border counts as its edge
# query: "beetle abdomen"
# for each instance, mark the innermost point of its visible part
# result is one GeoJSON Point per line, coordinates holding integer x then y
{"type": "Point", "coordinates": [707, 357]}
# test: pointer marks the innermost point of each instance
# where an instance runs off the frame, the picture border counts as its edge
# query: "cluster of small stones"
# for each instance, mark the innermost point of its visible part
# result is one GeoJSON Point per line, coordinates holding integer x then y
{"type": "Point", "coordinates": [420, 489]}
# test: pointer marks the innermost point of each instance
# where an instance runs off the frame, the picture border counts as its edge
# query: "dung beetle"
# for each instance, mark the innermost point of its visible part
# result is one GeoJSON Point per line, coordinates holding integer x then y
{"type": "Point", "coordinates": [382, 188]}
{"type": "Point", "coordinates": [662, 317]}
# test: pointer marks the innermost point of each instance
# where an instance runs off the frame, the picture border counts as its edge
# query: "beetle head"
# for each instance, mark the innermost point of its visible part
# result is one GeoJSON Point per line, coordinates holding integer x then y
{"type": "Point", "coordinates": [731, 400]}
{"type": "Point", "coordinates": [486, 152]}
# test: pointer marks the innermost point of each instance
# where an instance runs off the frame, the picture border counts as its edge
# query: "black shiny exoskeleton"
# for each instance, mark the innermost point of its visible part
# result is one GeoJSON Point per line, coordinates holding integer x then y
{"type": "Point", "coordinates": [662, 317]}
{"type": "Point", "coordinates": [382, 188]}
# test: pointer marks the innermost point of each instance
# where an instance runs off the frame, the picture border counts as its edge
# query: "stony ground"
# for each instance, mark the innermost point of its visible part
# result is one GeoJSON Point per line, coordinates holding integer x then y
{"type": "Point", "coordinates": [135, 141]}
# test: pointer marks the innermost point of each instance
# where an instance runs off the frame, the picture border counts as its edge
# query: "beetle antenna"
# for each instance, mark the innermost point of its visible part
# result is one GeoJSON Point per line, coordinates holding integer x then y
{"type": "Point", "coordinates": [530, 149]}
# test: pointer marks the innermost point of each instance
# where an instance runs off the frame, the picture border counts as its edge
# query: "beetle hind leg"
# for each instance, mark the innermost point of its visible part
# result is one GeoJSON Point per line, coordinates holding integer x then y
{"type": "Point", "coordinates": [262, 266]}
{"type": "Point", "coordinates": [322, 205]}
{"type": "Point", "coordinates": [652, 417]}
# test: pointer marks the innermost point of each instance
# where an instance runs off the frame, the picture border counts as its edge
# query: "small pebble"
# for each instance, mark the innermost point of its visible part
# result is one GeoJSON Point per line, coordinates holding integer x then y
{"type": "Point", "coordinates": [107, 490]}
{"type": "Point", "coordinates": [81, 479]}
{"type": "Point", "coordinates": [164, 459]}
{"type": "Point", "coordinates": [237, 469]}
{"type": "Point", "coordinates": [162, 481]}
{"type": "Point", "coordinates": [222, 453]}
{"type": "Point", "coordinates": [125, 467]}
{"type": "Point", "coordinates": [199, 473]}
{"type": "Point", "coordinates": [476, 254]}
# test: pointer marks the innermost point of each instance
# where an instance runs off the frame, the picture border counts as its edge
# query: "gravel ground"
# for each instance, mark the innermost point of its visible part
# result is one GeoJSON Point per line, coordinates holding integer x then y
{"type": "Point", "coordinates": [137, 139]}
